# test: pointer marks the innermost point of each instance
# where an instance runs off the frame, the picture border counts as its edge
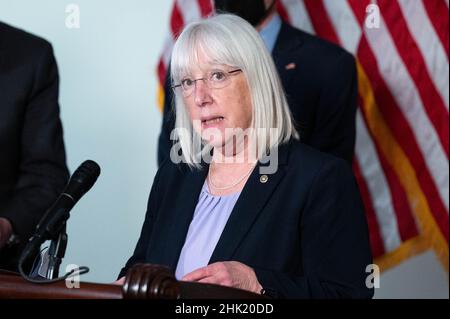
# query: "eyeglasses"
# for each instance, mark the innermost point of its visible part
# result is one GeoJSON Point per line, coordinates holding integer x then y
{"type": "Point", "coordinates": [215, 79]}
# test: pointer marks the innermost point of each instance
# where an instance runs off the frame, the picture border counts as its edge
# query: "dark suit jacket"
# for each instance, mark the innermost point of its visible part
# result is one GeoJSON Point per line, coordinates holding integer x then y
{"type": "Point", "coordinates": [321, 91]}
{"type": "Point", "coordinates": [304, 231]}
{"type": "Point", "coordinates": [32, 162]}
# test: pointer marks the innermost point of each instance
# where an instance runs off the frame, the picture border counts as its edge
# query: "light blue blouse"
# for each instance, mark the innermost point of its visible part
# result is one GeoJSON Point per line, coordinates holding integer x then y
{"type": "Point", "coordinates": [210, 217]}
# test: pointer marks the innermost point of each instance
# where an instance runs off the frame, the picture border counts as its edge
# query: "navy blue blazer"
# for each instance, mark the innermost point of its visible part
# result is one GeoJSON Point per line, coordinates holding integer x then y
{"type": "Point", "coordinates": [304, 231]}
{"type": "Point", "coordinates": [320, 82]}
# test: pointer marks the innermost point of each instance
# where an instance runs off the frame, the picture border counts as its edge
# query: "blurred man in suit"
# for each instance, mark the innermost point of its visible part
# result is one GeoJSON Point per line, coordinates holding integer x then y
{"type": "Point", "coordinates": [319, 79]}
{"type": "Point", "coordinates": [33, 167]}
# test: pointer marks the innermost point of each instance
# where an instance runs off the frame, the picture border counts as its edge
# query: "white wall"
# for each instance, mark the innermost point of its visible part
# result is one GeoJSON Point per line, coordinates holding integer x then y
{"type": "Point", "coordinates": [418, 277]}
{"type": "Point", "coordinates": [109, 114]}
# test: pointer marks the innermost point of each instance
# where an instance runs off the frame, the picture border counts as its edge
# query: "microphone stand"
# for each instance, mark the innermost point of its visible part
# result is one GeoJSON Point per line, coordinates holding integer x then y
{"type": "Point", "coordinates": [53, 225]}
{"type": "Point", "coordinates": [56, 253]}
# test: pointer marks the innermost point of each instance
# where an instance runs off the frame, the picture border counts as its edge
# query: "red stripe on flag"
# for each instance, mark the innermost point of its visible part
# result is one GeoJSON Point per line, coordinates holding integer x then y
{"type": "Point", "coordinates": [438, 14]}
{"type": "Point", "coordinates": [205, 7]}
{"type": "Point", "coordinates": [376, 241]}
{"type": "Point", "coordinates": [405, 218]}
{"type": "Point", "coordinates": [359, 9]}
{"type": "Point", "coordinates": [176, 21]}
{"type": "Point", "coordinates": [162, 70]}
{"type": "Point", "coordinates": [282, 11]}
{"type": "Point", "coordinates": [403, 134]}
{"type": "Point", "coordinates": [415, 63]}
{"type": "Point", "coordinates": [320, 20]}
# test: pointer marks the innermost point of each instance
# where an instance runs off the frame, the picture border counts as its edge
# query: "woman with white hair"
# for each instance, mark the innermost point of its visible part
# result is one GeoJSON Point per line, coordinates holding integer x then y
{"type": "Point", "coordinates": [242, 202]}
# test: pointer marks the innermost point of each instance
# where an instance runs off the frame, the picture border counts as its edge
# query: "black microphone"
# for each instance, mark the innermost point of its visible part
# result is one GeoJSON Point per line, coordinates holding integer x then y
{"type": "Point", "coordinates": [56, 216]}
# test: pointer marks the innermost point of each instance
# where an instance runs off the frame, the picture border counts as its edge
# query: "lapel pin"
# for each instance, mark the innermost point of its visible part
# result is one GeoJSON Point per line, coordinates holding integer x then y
{"type": "Point", "coordinates": [290, 66]}
{"type": "Point", "coordinates": [263, 179]}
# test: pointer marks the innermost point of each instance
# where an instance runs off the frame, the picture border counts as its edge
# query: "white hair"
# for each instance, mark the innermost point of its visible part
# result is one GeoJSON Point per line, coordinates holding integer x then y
{"type": "Point", "coordinates": [230, 40]}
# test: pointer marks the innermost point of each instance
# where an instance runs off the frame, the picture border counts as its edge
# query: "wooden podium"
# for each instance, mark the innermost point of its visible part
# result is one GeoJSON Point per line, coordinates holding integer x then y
{"type": "Point", "coordinates": [143, 281]}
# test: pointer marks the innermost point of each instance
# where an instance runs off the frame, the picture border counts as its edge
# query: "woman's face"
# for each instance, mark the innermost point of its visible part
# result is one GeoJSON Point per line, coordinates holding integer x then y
{"type": "Point", "coordinates": [216, 112]}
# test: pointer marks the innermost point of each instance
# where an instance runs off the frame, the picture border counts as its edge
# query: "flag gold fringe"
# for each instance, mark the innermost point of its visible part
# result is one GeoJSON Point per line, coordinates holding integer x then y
{"type": "Point", "coordinates": [160, 97]}
{"type": "Point", "coordinates": [430, 236]}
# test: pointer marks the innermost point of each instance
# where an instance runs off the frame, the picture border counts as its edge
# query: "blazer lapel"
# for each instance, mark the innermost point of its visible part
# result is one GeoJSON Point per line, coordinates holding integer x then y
{"type": "Point", "coordinates": [181, 215]}
{"type": "Point", "coordinates": [252, 200]}
{"type": "Point", "coordinates": [282, 54]}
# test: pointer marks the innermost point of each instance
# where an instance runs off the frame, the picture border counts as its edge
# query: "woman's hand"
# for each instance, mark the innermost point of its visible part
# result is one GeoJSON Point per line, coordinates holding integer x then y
{"type": "Point", "coordinates": [228, 273]}
{"type": "Point", "coordinates": [5, 231]}
{"type": "Point", "coordinates": [119, 282]}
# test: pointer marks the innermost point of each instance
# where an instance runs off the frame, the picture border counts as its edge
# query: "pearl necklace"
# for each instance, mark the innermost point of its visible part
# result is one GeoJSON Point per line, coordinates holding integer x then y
{"type": "Point", "coordinates": [229, 186]}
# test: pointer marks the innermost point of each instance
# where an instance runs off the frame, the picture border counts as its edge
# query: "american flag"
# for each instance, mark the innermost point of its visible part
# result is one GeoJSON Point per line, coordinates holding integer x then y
{"type": "Point", "coordinates": [401, 156]}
